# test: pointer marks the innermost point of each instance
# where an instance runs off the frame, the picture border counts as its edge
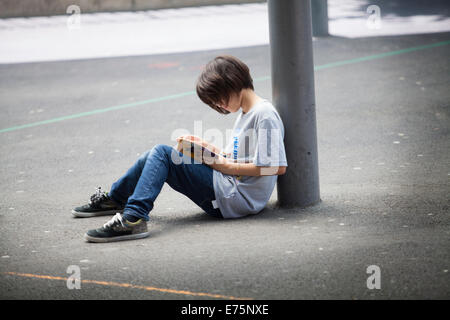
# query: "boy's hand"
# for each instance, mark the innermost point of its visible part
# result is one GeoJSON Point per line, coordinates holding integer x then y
{"type": "Point", "coordinates": [183, 137]}
{"type": "Point", "coordinates": [218, 163]}
{"type": "Point", "coordinates": [216, 160]}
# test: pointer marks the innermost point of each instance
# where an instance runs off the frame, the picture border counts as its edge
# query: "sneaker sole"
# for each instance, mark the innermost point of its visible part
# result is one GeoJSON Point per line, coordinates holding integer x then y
{"type": "Point", "coordinates": [78, 214]}
{"type": "Point", "coordinates": [120, 238]}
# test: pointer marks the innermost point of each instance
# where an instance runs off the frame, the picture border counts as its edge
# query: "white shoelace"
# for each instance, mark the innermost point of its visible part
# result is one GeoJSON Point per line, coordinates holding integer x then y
{"type": "Point", "coordinates": [114, 220]}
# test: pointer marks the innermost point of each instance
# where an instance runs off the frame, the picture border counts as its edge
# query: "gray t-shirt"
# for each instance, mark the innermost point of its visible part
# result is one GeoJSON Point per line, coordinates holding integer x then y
{"type": "Point", "coordinates": [257, 138]}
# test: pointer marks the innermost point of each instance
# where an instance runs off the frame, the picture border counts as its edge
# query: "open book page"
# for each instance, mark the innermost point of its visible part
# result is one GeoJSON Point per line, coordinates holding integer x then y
{"type": "Point", "coordinates": [198, 149]}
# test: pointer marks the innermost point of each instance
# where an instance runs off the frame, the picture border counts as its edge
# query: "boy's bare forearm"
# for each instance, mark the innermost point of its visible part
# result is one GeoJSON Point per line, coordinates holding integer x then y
{"type": "Point", "coordinates": [227, 166]}
{"type": "Point", "coordinates": [244, 169]}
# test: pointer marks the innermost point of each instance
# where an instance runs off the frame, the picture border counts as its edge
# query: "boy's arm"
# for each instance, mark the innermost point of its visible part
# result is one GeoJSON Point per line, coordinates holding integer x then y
{"type": "Point", "coordinates": [226, 166]}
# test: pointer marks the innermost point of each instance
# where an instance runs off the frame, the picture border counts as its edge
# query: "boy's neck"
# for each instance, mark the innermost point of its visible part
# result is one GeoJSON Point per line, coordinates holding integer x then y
{"type": "Point", "coordinates": [248, 100]}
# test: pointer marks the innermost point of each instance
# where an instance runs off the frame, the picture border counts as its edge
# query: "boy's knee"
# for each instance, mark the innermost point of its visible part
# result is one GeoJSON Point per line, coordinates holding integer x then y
{"type": "Point", "coordinates": [169, 152]}
{"type": "Point", "coordinates": [163, 148]}
{"type": "Point", "coordinates": [143, 157]}
{"type": "Point", "coordinates": [159, 148]}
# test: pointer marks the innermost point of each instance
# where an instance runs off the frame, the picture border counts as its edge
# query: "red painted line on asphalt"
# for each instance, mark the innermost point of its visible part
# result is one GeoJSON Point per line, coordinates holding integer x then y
{"type": "Point", "coordinates": [199, 67]}
{"type": "Point", "coordinates": [163, 65]}
{"type": "Point", "coordinates": [129, 285]}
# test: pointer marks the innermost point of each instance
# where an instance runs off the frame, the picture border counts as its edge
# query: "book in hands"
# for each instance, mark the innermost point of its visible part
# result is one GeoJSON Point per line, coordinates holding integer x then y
{"type": "Point", "coordinates": [198, 149]}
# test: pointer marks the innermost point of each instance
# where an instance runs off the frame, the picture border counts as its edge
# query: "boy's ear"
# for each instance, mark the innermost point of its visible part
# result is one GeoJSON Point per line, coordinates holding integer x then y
{"type": "Point", "coordinates": [241, 94]}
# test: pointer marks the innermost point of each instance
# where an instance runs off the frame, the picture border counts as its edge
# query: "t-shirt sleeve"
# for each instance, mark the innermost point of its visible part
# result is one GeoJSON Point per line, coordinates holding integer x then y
{"type": "Point", "coordinates": [270, 146]}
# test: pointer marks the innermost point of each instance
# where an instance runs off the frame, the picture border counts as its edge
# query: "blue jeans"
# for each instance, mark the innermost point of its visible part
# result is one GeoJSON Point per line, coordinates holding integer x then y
{"type": "Point", "coordinates": [142, 183]}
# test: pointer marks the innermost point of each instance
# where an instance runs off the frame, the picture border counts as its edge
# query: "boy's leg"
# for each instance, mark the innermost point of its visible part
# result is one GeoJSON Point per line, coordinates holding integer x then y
{"type": "Point", "coordinates": [123, 188]}
{"type": "Point", "coordinates": [164, 164]}
{"type": "Point", "coordinates": [107, 203]}
{"type": "Point", "coordinates": [156, 167]}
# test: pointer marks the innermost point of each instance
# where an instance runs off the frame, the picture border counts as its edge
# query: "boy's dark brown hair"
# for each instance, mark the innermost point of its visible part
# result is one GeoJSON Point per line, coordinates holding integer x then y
{"type": "Point", "coordinates": [220, 78]}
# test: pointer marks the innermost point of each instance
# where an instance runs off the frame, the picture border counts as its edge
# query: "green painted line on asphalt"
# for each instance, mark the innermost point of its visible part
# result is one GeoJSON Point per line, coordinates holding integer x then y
{"type": "Point", "coordinates": [188, 93]}
{"type": "Point", "coordinates": [88, 113]}
{"type": "Point", "coordinates": [381, 55]}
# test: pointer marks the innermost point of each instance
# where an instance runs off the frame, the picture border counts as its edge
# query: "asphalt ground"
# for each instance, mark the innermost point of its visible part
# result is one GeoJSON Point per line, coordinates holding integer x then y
{"type": "Point", "coordinates": [383, 140]}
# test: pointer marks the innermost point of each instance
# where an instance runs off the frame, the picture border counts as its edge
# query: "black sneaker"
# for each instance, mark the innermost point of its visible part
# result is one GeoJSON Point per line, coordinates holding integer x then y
{"type": "Point", "coordinates": [118, 229]}
{"type": "Point", "coordinates": [101, 205]}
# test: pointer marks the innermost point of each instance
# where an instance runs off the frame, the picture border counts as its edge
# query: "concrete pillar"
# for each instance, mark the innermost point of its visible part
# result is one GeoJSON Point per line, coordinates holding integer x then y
{"type": "Point", "coordinates": [293, 96]}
